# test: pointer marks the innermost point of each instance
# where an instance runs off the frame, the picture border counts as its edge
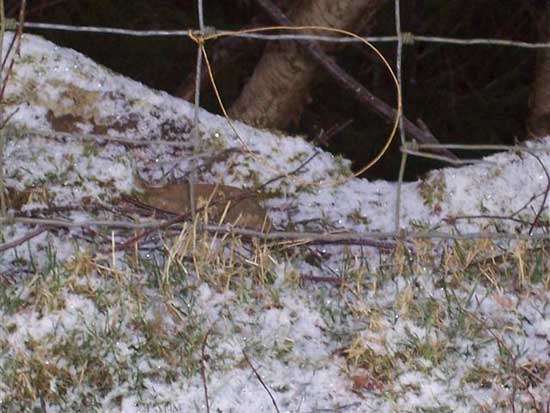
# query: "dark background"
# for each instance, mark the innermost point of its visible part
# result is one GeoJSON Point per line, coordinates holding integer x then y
{"type": "Point", "coordinates": [464, 94]}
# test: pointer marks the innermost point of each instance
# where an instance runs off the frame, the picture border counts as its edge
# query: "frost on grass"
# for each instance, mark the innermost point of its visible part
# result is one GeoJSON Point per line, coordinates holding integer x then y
{"type": "Point", "coordinates": [429, 327]}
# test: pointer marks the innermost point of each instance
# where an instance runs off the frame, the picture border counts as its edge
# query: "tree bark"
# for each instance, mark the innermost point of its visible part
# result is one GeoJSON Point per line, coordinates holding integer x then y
{"type": "Point", "coordinates": [278, 90]}
{"type": "Point", "coordinates": [225, 52]}
{"type": "Point", "coordinates": [539, 117]}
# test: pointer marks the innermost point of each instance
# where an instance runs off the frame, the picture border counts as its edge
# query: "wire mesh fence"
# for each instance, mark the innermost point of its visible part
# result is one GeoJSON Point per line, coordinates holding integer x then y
{"type": "Point", "coordinates": [400, 39]}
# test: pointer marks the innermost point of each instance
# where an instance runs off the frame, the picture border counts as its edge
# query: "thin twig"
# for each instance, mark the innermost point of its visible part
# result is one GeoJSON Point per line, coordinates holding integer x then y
{"type": "Point", "coordinates": [63, 223]}
{"type": "Point", "coordinates": [5, 121]}
{"type": "Point", "coordinates": [149, 230]}
{"type": "Point", "coordinates": [546, 191]}
{"type": "Point", "coordinates": [261, 381]}
{"type": "Point", "coordinates": [291, 173]}
{"type": "Point", "coordinates": [317, 279]}
{"type": "Point", "coordinates": [6, 78]}
{"type": "Point", "coordinates": [28, 236]}
{"type": "Point", "coordinates": [203, 367]}
{"type": "Point", "coordinates": [43, 404]}
{"type": "Point", "coordinates": [325, 136]}
{"type": "Point", "coordinates": [342, 238]}
{"type": "Point", "coordinates": [505, 349]}
{"type": "Point", "coordinates": [7, 55]}
{"type": "Point", "coordinates": [527, 204]}
{"type": "Point", "coordinates": [451, 219]}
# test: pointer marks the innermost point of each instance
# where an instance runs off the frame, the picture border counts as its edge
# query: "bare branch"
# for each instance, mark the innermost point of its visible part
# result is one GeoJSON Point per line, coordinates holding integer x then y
{"type": "Point", "coordinates": [345, 80]}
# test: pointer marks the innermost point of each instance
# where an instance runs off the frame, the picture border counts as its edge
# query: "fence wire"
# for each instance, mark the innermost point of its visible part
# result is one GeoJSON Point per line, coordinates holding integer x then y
{"type": "Point", "coordinates": [407, 148]}
{"type": "Point", "coordinates": [407, 37]}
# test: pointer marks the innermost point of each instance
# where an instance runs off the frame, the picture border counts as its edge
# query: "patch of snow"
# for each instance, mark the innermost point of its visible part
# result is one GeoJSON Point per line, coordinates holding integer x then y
{"type": "Point", "coordinates": [307, 374]}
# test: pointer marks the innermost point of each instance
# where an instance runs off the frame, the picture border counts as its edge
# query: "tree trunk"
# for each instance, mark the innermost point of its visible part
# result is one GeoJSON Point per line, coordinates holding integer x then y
{"type": "Point", "coordinates": [539, 117]}
{"type": "Point", "coordinates": [278, 90]}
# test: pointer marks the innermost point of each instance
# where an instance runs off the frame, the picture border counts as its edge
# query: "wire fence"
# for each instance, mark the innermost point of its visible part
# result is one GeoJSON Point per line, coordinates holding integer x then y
{"type": "Point", "coordinates": [408, 148]}
{"type": "Point", "coordinates": [406, 37]}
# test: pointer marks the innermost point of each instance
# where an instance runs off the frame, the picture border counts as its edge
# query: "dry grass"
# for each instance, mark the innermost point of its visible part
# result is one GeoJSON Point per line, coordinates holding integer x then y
{"type": "Point", "coordinates": [445, 317]}
{"type": "Point", "coordinates": [142, 316]}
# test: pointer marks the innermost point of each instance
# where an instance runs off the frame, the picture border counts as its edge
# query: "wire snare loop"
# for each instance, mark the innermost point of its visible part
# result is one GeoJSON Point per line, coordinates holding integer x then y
{"type": "Point", "coordinates": [200, 40]}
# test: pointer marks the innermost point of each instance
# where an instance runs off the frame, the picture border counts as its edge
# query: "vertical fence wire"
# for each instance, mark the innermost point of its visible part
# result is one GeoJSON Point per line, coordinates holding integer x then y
{"type": "Point", "coordinates": [198, 73]}
{"type": "Point", "coordinates": [197, 101]}
{"type": "Point", "coordinates": [398, 62]}
{"type": "Point", "coordinates": [399, 54]}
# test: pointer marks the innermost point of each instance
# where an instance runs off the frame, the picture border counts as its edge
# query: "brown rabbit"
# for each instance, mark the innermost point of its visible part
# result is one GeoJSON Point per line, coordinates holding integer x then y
{"type": "Point", "coordinates": [243, 208]}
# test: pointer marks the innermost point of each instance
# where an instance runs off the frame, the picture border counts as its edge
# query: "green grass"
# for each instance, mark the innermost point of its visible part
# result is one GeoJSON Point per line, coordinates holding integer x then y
{"type": "Point", "coordinates": [115, 328]}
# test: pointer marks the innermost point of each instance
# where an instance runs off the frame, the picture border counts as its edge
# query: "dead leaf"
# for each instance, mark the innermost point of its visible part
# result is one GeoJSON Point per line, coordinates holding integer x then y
{"type": "Point", "coordinates": [366, 383]}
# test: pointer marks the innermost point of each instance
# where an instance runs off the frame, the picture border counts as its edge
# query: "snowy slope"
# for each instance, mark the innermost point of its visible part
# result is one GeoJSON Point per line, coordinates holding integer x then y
{"type": "Point", "coordinates": [294, 334]}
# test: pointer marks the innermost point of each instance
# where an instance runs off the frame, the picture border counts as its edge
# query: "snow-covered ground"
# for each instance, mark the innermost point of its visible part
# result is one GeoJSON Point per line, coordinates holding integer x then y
{"type": "Point", "coordinates": [435, 327]}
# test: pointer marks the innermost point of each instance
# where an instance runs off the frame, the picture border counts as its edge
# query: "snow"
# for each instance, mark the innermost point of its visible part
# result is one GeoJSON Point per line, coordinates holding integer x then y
{"type": "Point", "coordinates": [293, 336]}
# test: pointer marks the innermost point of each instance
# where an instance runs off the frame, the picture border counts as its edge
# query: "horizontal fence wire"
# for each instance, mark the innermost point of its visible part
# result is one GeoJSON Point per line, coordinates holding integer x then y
{"type": "Point", "coordinates": [481, 147]}
{"type": "Point", "coordinates": [407, 38]}
{"type": "Point", "coordinates": [408, 148]}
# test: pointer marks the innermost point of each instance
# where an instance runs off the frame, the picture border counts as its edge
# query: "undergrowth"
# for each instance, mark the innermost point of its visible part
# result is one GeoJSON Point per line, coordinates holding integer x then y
{"type": "Point", "coordinates": [84, 333]}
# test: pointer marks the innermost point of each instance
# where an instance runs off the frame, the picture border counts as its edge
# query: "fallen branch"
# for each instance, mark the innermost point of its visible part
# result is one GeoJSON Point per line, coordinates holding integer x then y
{"type": "Point", "coordinates": [381, 240]}
{"type": "Point", "coordinates": [348, 82]}
{"type": "Point", "coordinates": [374, 239]}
